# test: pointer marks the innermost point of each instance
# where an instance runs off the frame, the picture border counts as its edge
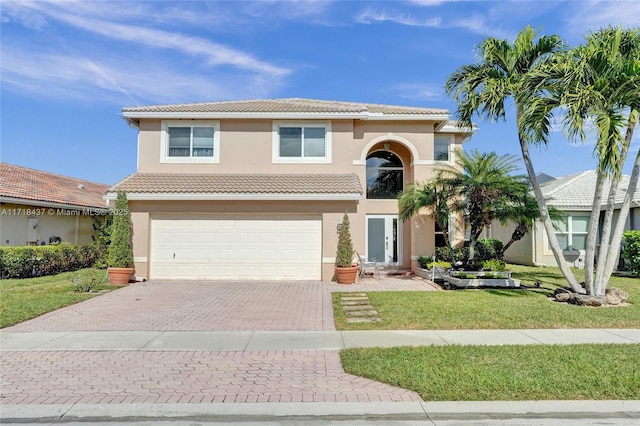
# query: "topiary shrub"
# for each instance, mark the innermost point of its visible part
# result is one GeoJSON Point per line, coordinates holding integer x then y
{"type": "Point", "coordinates": [631, 252]}
{"type": "Point", "coordinates": [344, 254]}
{"type": "Point", "coordinates": [120, 252]}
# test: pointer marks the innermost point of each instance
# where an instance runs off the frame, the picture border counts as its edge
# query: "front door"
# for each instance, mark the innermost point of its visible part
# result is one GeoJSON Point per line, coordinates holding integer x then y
{"type": "Point", "coordinates": [383, 239]}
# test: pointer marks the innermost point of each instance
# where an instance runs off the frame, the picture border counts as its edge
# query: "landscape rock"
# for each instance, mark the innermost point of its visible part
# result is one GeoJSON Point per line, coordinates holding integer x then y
{"type": "Point", "coordinates": [615, 296]}
{"type": "Point", "coordinates": [584, 300]}
{"type": "Point", "coordinates": [563, 296]}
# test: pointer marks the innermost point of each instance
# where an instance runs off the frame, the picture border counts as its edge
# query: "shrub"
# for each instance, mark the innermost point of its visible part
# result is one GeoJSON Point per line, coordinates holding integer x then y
{"type": "Point", "coordinates": [25, 262]}
{"type": "Point", "coordinates": [120, 252]}
{"type": "Point", "coordinates": [488, 249]}
{"type": "Point", "coordinates": [87, 280]}
{"type": "Point", "coordinates": [424, 261]}
{"type": "Point", "coordinates": [460, 254]}
{"type": "Point", "coordinates": [344, 254]}
{"type": "Point", "coordinates": [493, 265]}
{"type": "Point", "coordinates": [631, 251]}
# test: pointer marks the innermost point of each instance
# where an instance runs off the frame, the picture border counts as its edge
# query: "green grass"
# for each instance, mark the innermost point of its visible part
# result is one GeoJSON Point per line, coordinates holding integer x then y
{"type": "Point", "coordinates": [496, 309]}
{"type": "Point", "coordinates": [487, 373]}
{"type": "Point", "coordinates": [23, 299]}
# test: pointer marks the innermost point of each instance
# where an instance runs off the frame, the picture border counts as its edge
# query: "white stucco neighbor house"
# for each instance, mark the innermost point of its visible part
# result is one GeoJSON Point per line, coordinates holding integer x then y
{"type": "Point", "coordinates": [573, 195]}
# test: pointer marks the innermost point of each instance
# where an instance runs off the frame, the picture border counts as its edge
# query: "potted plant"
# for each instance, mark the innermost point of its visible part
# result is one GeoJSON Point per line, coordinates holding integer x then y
{"type": "Point", "coordinates": [346, 271]}
{"type": "Point", "coordinates": [120, 255]}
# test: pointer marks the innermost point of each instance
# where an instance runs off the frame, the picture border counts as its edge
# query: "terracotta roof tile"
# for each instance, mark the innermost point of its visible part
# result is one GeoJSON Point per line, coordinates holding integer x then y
{"type": "Point", "coordinates": [181, 183]}
{"type": "Point", "coordinates": [285, 105]}
{"type": "Point", "coordinates": [29, 184]}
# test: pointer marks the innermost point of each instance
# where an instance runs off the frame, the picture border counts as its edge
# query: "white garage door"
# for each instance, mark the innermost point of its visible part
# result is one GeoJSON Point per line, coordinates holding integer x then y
{"type": "Point", "coordinates": [241, 247]}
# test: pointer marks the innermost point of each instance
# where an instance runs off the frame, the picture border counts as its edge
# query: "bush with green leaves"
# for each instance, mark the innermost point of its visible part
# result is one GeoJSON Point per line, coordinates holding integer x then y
{"type": "Point", "coordinates": [493, 265]}
{"type": "Point", "coordinates": [488, 249]}
{"type": "Point", "coordinates": [631, 251]}
{"type": "Point", "coordinates": [344, 254]}
{"type": "Point", "coordinates": [33, 261]}
{"type": "Point", "coordinates": [460, 254]}
{"type": "Point", "coordinates": [120, 251]}
{"type": "Point", "coordinates": [424, 261]}
{"type": "Point", "coordinates": [87, 280]}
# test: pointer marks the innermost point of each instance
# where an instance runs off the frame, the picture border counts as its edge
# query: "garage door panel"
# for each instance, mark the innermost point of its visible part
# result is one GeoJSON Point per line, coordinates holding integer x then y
{"type": "Point", "coordinates": [236, 247]}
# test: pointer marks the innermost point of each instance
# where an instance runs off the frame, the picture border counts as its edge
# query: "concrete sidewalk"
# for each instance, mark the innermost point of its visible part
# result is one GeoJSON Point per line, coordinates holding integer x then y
{"type": "Point", "coordinates": [397, 413]}
{"type": "Point", "coordinates": [297, 340]}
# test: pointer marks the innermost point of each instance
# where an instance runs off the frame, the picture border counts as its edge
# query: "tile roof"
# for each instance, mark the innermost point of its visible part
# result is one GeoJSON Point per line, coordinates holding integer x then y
{"type": "Point", "coordinates": [576, 191]}
{"type": "Point", "coordinates": [284, 105]}
{"type": "Point", "coordinates": [183, 183]}
{"type": "Point", "coordinates": [36, 185]}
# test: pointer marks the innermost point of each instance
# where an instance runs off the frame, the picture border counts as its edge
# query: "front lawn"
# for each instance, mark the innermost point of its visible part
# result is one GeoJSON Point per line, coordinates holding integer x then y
{"type": "Point", "coordinates": [491, 373]}
{"type": "Point", "coordinates": [496, 309]}
{"type": "Point", "coordinates": [23, 299]}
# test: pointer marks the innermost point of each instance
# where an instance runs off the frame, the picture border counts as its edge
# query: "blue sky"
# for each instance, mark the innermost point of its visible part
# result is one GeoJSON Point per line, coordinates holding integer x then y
{"type": "Point", "coordinates": [67, 68]}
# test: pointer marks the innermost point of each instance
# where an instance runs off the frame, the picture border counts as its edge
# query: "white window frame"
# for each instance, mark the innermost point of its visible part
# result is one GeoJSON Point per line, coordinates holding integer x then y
{"type": "Point", "coordinates": [164, 145]}
{"type": "Point", "coordinates": [449, 147]}
{"type": "Point", "coordinates": [298, 160]}
{"type": "Point", "coordinates": [569, 233]}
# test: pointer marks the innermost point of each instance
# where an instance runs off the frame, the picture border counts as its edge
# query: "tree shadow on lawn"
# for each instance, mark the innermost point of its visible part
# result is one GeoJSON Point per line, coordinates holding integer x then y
{"type": "Point", "coordinates": [519, 292]}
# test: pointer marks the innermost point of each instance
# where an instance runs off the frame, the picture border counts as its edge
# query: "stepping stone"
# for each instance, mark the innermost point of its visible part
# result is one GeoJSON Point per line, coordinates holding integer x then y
{"type": "Point", "coordinates": [351, 299]}
{"type": "Point", "coordinates": [354, 320]}
{"type": "Point", "coordinates": [357, 307]}
{"type": "Point", "coordinates": [367, 313]}
{"type": "Point", "coordinates": [353, 295]}
{"type": "Point", "coordinates": [356, 303]}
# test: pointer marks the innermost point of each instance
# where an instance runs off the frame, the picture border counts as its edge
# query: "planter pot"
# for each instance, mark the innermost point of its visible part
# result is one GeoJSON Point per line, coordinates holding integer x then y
{"type": "Point", "coordinates": [347, 275]}
{"type": "Point", "coordinates": [119, 276]}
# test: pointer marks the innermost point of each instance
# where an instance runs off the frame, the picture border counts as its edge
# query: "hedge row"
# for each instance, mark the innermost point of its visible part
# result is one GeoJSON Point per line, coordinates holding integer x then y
{"type": "Point", "coordinates": [631, 251]}
{"type": "Point", "coordinates": [25, 262]}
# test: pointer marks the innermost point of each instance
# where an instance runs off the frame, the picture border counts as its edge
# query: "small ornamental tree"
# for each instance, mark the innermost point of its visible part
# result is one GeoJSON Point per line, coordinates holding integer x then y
{"type": "Point", "coordinates": [120, 252]}
{"type": "Point", "coordinates": [344, 255]}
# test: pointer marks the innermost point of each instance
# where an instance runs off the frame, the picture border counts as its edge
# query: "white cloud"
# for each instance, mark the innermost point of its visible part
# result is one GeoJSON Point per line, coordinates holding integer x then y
{"type": "Point", "coordinates": [369, 16]}
{"type": "Point", "coordinates": [419, 91]}
{"type": "Point", "coordinates": [591, 15]}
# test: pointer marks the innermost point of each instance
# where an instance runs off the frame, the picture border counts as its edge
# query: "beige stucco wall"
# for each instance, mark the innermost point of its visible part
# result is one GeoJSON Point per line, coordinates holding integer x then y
{"type": "Point", "coordinates": [246, 146]}
{"type": "Point", "coordinates": [64, 223]}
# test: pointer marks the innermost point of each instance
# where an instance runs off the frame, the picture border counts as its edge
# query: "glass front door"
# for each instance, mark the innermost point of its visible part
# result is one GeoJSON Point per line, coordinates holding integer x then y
{"type": "Point", "coordinates": [383, 239]}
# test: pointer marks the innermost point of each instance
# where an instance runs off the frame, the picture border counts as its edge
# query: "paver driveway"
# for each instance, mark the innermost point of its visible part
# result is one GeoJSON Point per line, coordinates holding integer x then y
{"type": "Point", "coordinates": [117, 377]}
{"type": "Point", "coordinates": [196, 306]}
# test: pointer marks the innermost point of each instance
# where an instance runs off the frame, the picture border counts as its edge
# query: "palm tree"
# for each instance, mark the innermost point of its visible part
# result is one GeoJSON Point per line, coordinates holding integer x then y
{"type": "Point", "coordinates": [483, 188]}
{"type": "Point", "coordinates": [598, 82]}
{"type": "Point", "coordinates": [606, 81]}
{"type": "Point", "coordinates": [432, 199]}
{"type": "Point", "coordinates": [502, 73]}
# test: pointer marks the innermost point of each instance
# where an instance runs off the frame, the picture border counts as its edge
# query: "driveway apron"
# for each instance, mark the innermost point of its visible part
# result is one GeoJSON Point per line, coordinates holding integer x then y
{"type": "Point", "coordinates": [178, 376]}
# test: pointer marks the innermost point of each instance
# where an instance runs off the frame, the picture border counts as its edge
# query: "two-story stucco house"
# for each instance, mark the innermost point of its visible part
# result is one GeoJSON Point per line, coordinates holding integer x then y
{"type": "Point", "coordinates": [257, 189]}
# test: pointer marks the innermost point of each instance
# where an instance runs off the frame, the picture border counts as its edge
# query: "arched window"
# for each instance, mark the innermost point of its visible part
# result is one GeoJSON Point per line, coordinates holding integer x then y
{"type": "Point", "coordinates": [385, 175]}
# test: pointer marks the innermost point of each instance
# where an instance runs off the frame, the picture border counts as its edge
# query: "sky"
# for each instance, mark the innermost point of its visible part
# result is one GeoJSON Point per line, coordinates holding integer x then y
{"type": "Point", "coordinates": [69, 67]}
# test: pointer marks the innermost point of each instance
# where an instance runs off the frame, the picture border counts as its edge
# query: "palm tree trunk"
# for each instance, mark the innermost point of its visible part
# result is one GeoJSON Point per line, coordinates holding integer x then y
{"type": "Point", "coordinates": [544, 216]}
{"type": "Point", "coordinates": [518, 233]}
{"type": "Point", "coordinates": [592, 233]}
{"type": "Point", "coordinates": [616, 238]}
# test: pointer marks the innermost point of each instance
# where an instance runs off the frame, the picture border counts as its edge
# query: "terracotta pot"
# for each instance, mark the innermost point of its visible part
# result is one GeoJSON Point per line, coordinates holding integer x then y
{"type": "Point", "coordinates": [119, 276]}
{"type": "Point", "coordinates": [347, 275]}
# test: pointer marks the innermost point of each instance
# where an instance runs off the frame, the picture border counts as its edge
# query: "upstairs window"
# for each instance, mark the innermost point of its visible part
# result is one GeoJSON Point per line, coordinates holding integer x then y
{"type": "Point", "coordinates": [301, 142]}
{"type": "Point", "coordinates": [441, 148]}
{"type": "Point", "coordinates": [184, 142]}
{"type": "Point", "coordinates": [385, 175]}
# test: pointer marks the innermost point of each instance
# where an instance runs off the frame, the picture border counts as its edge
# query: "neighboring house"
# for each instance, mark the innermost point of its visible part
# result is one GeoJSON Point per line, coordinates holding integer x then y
{"type": "Point", "coordinates": [38, 207]}
{"type": "Point", "coordinates": [572, 194]}
{"type": "Point", "coordinates": [256, 189]}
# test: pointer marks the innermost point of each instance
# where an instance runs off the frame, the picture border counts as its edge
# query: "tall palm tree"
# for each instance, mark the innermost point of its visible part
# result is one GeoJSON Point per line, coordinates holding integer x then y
{"type": "Point", "coordinates": [610, 64]}
{"type": "Point", "coordinates": [501, 74]}
{"type": "Point", "coordinates": [596, 82]}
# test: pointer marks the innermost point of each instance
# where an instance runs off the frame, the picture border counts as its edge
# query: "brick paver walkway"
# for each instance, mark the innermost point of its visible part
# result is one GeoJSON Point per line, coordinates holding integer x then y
{"type": "Point", "coordinates": [195, 306]}
{"type": "Point", "coordinates": [102, 377]}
